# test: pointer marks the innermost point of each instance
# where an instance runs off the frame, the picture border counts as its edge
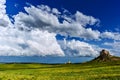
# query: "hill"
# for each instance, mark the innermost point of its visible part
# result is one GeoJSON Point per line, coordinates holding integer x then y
{"type": "Point", "coordinates": [105, 56]}
{"type": "Point", "coordinates": [104, 67]}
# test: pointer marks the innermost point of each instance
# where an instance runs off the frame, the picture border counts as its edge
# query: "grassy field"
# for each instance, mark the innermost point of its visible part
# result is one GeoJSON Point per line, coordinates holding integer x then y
{"type": "Point", "coordinates": [85, 71]}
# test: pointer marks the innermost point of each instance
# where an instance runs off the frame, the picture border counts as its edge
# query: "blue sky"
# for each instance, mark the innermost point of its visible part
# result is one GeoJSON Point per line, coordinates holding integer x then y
{"type": "Point", "coordinates": [60, 27]}
{"type": "Point", "coordinates": [107, 11]}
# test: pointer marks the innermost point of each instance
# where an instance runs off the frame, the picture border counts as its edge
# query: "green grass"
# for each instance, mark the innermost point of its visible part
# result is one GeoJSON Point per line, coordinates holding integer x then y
{"type": "Point", "coordinates": [85, 71]}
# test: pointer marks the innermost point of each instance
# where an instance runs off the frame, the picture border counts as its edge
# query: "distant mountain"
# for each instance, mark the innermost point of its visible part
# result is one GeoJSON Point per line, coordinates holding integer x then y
{"type": "Point", "coordinates": [105, 56]}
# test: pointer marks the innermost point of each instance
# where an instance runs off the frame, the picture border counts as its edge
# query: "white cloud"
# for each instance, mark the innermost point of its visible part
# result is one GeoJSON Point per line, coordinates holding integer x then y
{"type": "Point", "coordinates": [78, 48]}
{"type": "Point", "coordinates": [4, 19]}
{"type": "Point", "coordinates": [55, 11]}
{"type": "Point", "coordinates": [114, 44]}
{"type": "Point", "coordinates": [114, 47]}
{"type": "Point", "coordinates": [42, 24]}
{"type": "Point", "coordinates": [44, 18]}
{"type": "Point", "coordinates": [111, 35]}
{"type": "Point", "coordinates": [84, 19]}
{"type": "Point", "coordinates": [14, 42]}
{"type": "Point", "coordinates": [2, 7]}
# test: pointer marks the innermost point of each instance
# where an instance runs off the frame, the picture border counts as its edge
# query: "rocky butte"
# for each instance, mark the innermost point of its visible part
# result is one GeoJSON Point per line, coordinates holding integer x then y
{"type": "Point", "coordinates": [105, 56]}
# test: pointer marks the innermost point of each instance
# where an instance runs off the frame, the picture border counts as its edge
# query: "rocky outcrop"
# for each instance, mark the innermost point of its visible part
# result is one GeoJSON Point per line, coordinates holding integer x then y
{"type": "Point", "coordinates": [106, 56]}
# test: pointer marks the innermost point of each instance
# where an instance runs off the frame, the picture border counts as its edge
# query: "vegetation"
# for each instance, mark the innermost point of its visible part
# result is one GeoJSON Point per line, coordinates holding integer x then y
{"type": "Point", "coordinates": [104, 67]}
{"type": "Point", "coordinates": [86, 71]}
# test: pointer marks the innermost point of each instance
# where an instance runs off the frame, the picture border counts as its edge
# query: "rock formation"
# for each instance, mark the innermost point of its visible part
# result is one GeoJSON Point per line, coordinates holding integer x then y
{"type": "Point", "coordinates": [106, 56]}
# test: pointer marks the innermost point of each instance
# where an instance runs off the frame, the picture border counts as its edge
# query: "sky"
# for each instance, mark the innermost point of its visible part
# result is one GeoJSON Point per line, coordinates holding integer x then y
{"type": "Point", "coordinates": [59, 27]}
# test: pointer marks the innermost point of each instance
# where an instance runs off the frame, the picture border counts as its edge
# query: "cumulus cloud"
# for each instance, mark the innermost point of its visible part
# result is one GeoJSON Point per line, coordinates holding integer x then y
{"type": "Point", "coordinates": [78, 48]}
{"type": "Point", "coordinates": [4, 19]}
{"type": "Point", "coordinates": [114, 47]}
{"type": "Point", "coordinates": [45, 18]}
{"type": "Point", "coordinates": [14, 42]}
{"type": "Point", "coordinates": [84, 19]}
{"type": "Point", "coordinates": [111, 35]}
{"type": "Point", "coordinates": [33, 33]}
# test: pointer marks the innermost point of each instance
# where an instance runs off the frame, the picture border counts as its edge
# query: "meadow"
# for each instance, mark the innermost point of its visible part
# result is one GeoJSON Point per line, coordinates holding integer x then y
{"type": "Point", "coordinates": [84, 71]}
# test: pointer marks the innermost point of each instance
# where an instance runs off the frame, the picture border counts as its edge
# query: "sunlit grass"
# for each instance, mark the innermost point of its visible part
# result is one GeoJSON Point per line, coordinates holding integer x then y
{"type": "Point", "coordinates": [85, 71]}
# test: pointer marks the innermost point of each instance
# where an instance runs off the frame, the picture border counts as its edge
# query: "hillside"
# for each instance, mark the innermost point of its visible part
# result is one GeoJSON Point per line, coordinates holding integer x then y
{"type": "Point", "coordinates": [84, 71]}
{"type": "Point", "coordinates": [104, 67]}
{"type": "Point", "coordinates": [105, 56]}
